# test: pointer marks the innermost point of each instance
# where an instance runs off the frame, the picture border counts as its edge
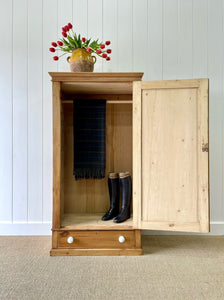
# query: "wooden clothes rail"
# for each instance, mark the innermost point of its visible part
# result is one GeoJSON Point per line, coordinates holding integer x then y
{"type": "Point", "coordinates": [107, 101]}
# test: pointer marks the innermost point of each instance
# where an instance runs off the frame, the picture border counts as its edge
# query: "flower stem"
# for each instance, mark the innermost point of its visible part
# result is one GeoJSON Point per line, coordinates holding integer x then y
{"type": "Point", "coordinates": [64, 54]}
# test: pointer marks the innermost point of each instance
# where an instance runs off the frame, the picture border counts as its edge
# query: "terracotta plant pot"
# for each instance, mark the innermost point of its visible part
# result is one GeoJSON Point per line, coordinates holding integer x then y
{"type": "Point", "coordinates": [81, 61]}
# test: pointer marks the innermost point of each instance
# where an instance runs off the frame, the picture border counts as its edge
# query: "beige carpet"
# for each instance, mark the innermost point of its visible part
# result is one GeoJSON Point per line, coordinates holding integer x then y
{"type": "Point", "coordinates": [172, 267]}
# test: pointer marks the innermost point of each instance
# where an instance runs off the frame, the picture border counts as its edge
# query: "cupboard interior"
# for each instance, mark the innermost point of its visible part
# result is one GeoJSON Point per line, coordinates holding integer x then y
{"type": "Point", "coordinates": [84, 202]}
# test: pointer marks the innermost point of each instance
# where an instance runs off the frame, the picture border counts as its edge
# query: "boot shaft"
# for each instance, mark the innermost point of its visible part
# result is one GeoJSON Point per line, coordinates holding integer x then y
{"type": "Point", "coordinates": [126, 195]}
{"type": "Point", "coordinates": [126, 189]}
{"type": "Point", "coordinates": [113, 186]}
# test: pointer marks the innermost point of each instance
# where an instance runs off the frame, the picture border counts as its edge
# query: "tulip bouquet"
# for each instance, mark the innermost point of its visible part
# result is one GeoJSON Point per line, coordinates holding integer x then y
{"type": "Point", "coordinates": [70, 41]}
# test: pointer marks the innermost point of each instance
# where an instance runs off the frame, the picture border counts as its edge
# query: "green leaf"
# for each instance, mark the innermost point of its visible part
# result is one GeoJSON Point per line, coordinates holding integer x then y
{"type": "Point", "coordinates": [79, 41]}
{"type": "Point", "coordinates": [95, 45]}
{"type": "Point", "coordinates": [66, 49]}
{"type": "Point", "coordinates": [75, 37]}
{"type": "Point", "coordinates": [72, 42]}
{"type": "Point", "coordinates": [65, 42]}
{"type": "Point", "coordinates": [87, 43]}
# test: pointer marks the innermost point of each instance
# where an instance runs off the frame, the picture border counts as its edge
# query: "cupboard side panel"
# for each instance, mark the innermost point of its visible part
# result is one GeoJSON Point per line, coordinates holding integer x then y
{"type": "Point", "coordinates": [56, 155]}
{"type": "Point", "coordinates": [203, 150]}
{"type": "Point", "coordinates": [137, 184]}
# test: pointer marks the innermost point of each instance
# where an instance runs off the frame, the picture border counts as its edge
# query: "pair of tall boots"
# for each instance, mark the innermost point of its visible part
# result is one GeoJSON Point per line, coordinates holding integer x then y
{"type": "Point", "coordinates": [116, 183]}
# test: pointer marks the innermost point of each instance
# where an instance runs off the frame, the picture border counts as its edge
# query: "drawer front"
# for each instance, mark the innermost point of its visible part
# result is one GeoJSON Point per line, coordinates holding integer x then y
{"type": "Point", "coordinates": [97, 239]}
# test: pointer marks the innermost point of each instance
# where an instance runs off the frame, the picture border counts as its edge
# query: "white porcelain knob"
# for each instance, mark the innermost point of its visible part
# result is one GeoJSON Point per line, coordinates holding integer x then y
{"type": "Point", "coordinates": [70, 239]}
{"type": "Point", "coordinates": [121, 239]}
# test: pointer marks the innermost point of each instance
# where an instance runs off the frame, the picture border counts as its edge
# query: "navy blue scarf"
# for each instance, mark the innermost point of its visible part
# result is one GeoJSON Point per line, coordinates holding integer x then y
{"type": "Point", "coordinates": [89, 138]}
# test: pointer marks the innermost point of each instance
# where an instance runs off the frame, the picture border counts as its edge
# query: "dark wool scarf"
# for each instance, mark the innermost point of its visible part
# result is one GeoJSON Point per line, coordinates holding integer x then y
{"type": "Point", "coordinates": [89, 138]}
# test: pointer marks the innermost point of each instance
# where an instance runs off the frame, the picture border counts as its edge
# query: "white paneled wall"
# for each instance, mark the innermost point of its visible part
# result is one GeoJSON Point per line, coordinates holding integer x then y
{"type": "Point", "coordinates": [165, 39]}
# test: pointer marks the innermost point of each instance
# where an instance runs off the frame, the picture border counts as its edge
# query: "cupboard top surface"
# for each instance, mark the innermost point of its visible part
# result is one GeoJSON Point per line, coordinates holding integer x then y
{"type": "Point", "coordinates": [96, 82]}
{"type": "Point", "coordinates": [95, 76]}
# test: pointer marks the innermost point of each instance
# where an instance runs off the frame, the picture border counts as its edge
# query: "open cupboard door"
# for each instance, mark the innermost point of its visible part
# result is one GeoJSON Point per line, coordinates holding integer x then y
{"type": "Point", "coordinates": [170, 155]}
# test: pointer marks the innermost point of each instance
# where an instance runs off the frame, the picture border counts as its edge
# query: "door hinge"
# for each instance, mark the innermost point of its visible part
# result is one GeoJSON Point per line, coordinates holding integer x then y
{"type": "Point", "coordinates": [205, 147]}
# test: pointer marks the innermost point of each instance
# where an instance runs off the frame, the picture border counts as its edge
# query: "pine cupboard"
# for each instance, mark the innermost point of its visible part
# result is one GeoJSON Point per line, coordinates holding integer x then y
{"type": "Point", "coordinates": [156, 130]}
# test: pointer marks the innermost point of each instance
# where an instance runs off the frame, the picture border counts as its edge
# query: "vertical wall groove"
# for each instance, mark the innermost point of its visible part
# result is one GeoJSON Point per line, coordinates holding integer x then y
{"type": "Point", "coordinates": [87, 14]}
{"type": "Point", "coordinates": [42, 200]}
{"type": "Point", "coordinates": [222, 101]}
{"type": "Point", "coordinates": [132, 51]}
{"type": "Point", "coordinates": [12, 111]}
{"type": "Point", "coordinates": [162, 37]}
{"type": "Point", "coordinates": [178, 30]}
{"type": "Point", "coordinates": [207, 34]}
{"type": "Point", "coordinates": [192, 38]}
{"type": "Point", "coordinates": [27, 108]}
{"type": "Point", "coordinates": [28, 104]}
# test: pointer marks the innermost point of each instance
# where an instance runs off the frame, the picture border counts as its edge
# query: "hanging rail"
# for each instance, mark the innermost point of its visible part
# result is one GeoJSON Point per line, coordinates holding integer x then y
{"type": "Point", "coordinates": [107, 101]}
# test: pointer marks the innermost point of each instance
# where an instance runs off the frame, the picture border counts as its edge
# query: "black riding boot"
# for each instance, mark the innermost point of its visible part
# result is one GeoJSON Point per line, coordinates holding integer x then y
{"type": "Point", "coordinates": [113, 185]}
{"type": "Point", "coordinates": [126, 194]}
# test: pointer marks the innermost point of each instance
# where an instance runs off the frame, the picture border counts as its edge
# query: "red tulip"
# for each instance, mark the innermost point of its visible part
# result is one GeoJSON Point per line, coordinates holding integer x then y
{"type": "Point", "coordinates": [54, 44]}
{"type": "Point", "coordinates": [63, 29]}
{"type": "Point", "coordinates": [88, 49]}
{"type": "Point", "coordinates": [109, 50]}
{"type": "Point", "coordinates": [83, 39]}
{"type": "Point", "coordinates": [102, 46]}
{"type": "Point", "coordinates": [98, 51]}
{"type": "Point", "coordinates": [66, 28]}
{"type": "Point", "coordinates": [60, 43]}
{"type": "Point", "coordinates": [64, 34]}
{"type": "Point", "coordinates": [52, 49]}
{"type": "Point", "coordinates": [55, 58]}
{"type": "Point", "coordinates": [70, 25]}
{"type": "Point", "coordinates": [104, 55]}
{"type": "Point", "coordinates": [107, 43]}
{"type": "Point", "coordinates": [108, 58]}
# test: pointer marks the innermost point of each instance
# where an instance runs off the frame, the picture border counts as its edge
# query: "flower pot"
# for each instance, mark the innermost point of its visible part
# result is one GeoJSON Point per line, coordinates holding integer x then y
{"type": "Point", "coordinates": [81, 61]}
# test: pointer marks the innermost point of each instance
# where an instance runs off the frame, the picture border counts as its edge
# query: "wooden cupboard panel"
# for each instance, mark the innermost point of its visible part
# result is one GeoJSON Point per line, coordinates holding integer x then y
{"type": "Point", "coordinates": [95, 252]}
{"type": "Point", "coordinates": [87, 221]}
{"type": "Point", "coordinates": [122, 137]}
{"type": "Point", "coordinates": [173, 160]}
{"type": "Point", "coordinates": [137, 155]}
{"type": "Point", "coordinates": [169, 169]}
{"type": "Point", "coordinates": [92, 196]}
{"type": "Point", "coordinates": [97, 239]}
{"type": "Point", "coordinates": [56, 155]}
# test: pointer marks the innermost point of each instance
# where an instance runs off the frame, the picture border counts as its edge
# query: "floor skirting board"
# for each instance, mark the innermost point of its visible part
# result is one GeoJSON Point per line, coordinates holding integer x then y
{"type": "Point", "coordinates": [25, 228]}
{"type": "Point", "coordinates": [216, 228]}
